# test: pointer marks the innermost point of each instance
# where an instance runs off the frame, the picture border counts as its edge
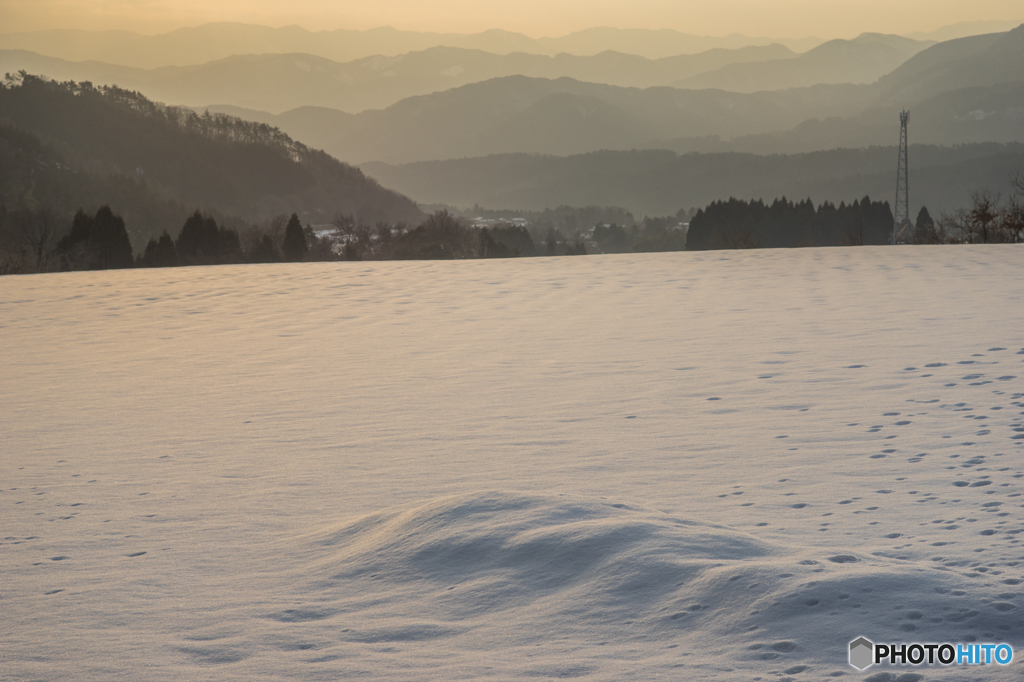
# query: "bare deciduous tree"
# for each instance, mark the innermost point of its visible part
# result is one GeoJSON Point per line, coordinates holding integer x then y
{"type": "Point", "coordinates": [34, 236]}
{"type": "Point", "coordinates": [1013, 214]}
{"type": "Point", "coordinates": [988, 221]}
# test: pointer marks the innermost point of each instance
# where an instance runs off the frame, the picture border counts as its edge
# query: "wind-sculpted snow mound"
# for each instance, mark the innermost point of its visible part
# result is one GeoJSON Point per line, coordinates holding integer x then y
{"type": "Point", "coordinates": [549, 541]}
{"type": "Point", "coordinates": [518, 570]}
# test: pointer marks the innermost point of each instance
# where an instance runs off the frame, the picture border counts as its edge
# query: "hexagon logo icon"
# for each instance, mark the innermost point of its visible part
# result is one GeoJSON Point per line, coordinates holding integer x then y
{"type": "Point", "coordinates": [862, 652]}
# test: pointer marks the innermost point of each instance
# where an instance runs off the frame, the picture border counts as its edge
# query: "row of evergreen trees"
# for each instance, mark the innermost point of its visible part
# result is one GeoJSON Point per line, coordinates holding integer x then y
{"type": "Point", "coordinates": [783, 223]}
{"type": "Point", "coordinates": [34, 241]}
{"type": "Point", "coordinates": [100, 242]}
{"type": "Point", "coordinates": [203, 242]}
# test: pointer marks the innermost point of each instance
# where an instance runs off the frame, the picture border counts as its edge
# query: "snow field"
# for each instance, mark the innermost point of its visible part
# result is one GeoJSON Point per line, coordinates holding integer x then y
{"type": "Point", "coordinates": [719, 465]}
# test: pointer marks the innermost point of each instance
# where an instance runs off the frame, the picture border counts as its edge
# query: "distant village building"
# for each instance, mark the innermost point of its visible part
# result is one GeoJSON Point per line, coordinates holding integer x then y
{"type": "Point", "coordinates": [481, 222]}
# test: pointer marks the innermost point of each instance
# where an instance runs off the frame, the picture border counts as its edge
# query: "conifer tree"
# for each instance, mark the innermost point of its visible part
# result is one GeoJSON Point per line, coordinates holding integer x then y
{"type": "Point", "coordinates": [294, 246]}
{"type": "Point", "coordinates": [160, 254]}
{"type": "Point", "coordinates": [96, 242]}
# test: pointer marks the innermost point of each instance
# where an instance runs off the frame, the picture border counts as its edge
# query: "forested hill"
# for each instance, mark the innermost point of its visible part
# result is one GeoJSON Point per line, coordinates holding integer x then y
{"type": "Point", "coordinates": [212, 162]}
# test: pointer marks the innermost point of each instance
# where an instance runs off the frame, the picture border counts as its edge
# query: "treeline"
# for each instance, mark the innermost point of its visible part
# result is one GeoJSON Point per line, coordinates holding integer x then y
{"type": "Point", "coordinates": [39, 241]}
{"type": "Point", "coordinates": [42, 240]}
{"type": "Point", "coordinates": [736, 224]}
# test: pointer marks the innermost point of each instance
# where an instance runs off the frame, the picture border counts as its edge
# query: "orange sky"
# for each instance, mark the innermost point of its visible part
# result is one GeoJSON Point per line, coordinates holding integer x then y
{"type": "Point", "coordinates": [776, 18]}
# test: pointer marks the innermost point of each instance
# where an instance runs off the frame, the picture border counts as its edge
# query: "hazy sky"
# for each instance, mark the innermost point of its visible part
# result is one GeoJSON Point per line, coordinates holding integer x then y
{"type": "Point", "coordinates": [778, 18]}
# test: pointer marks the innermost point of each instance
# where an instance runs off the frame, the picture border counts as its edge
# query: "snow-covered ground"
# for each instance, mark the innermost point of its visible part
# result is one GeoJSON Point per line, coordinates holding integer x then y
{"type": "Point", "coordinates": [687, 466]}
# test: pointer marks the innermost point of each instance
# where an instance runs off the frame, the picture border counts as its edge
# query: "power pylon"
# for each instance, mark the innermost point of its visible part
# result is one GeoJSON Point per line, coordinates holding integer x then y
{"type": "Point", "coordinates": [902, 228]}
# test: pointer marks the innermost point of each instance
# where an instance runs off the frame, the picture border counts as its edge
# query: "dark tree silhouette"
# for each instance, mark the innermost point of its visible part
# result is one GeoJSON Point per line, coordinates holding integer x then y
{"type": "Point", "coordinates": [265, 252]}
{"type": "Point", "coordinates": [203, 242]}
{"type": "Point", "coordinates": [516, 239]}
{"type": "Point", "coordinates": [294, 246]}
{"type": "Point", "coordinates": [160, 253]}
{"type": "Point", "coordinates": [741, 224]}
{"type": "Point", "coordinates": [489, 248]}
{"type": "Point", "coordinates": [925, 231]}
{"type": "Point", "coordinates": [441, 236]}
{"type": "Point", "coordinates": [99, 242]}
{"type": "Point", "coordinates": [611, 239]}
{"type": "Point", "coordinates": [110, 239]}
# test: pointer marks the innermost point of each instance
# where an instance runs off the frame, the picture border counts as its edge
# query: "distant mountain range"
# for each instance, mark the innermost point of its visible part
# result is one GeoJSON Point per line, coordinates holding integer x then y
{"type": "Point", "coordinates": [562, 116]}
{"type": "Point", "coordinates": [485, 133]}
{"type": "Point", "coordinates": [210, 42]}
{"type": "Point", "coordinates": [965, 90]}
{"type": "Point", "coordinates": [566, 104]}
{"type": "Point", "coordinates": [862, 60]}
{"type": "Point", "coordinates": [279, 82]}
{"type": "Point", "coordinates": [961, 91]}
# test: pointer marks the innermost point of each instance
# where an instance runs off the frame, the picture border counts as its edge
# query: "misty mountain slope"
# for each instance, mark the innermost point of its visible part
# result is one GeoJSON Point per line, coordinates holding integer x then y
{"type": "Point", "coordinates": [209, 42]}
{"type": "Point", "coordinates": [716, 58]}
{"type": "Point", "coordinates": [862, 60]}
{"type": "Point", "coordinates": [564, 123]}
{"type": "Point", "coordinates": [657, 182]}
{"type": "Point", "coordinates": [659, 43]}
{"type": "Point", "coordinates": [477, 119]}
{"type": "Point", "coordinates": [450, 67]}
{"type": "Point", "coordinates": [256, 81]}
{"type": "Point", "coordinates": [469, 121]}
{"type": "Point", "coordinates": [967, 62]}
{"type": "Point", "coordinates": [279, 82]}
{"type": "Point", "coordinates": [939, 54]}
{"type": "Point", "coordinates": [96, 72]}
{"type": "Point", "coordinates": [474, 120]}
{"type": "Point", "coordinates": [465, 122]}
{"type": "Point", "coordinates": [317, 122]}
{"type": "Point", "coordinates": [458, 122]}
{"type": "Point", "coordinates": [992, 113]}
{"type": "Point", "coordinates": [36, 176]}
{"type": "Point", "coordinates": [964, 29]}
{"type": "Point", "coordinates": [961, 91]}
{"type": "Point", "coordinates": [248, 169]}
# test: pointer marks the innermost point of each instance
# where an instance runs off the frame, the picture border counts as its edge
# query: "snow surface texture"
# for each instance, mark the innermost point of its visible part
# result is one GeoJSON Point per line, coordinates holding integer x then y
{"type": "Point", "coordinates": [693, 466]}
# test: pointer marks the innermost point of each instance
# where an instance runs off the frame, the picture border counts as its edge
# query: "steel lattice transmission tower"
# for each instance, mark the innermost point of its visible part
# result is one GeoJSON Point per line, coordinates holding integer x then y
{"type": "Point", "coordinates": [902, 228]}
